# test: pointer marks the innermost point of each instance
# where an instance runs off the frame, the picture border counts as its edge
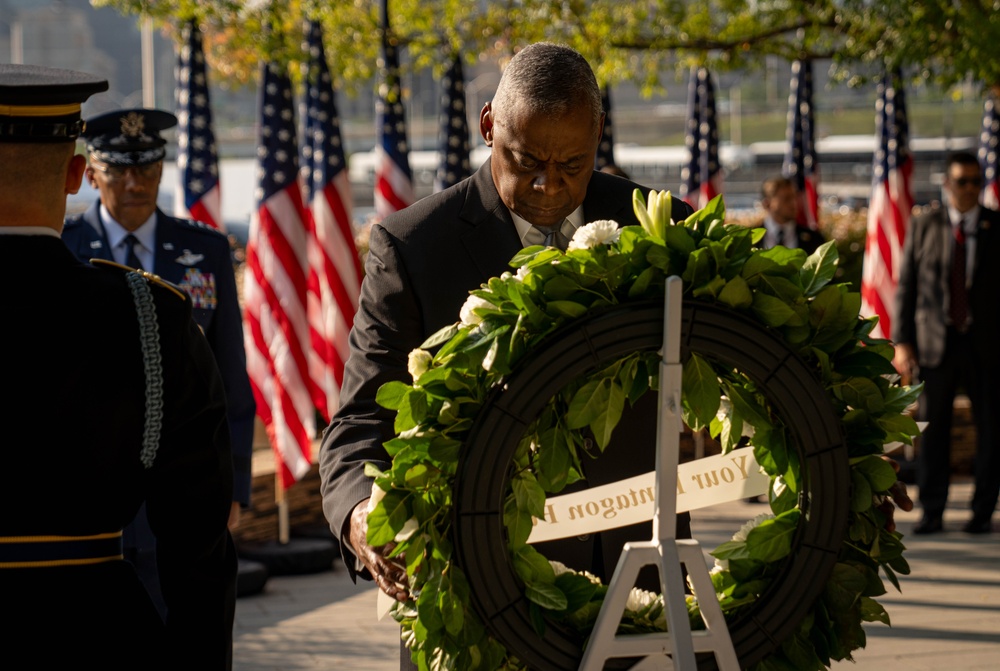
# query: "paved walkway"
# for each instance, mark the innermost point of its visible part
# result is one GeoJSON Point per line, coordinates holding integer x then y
{"type": "Point", "coordinates": [946, 617]}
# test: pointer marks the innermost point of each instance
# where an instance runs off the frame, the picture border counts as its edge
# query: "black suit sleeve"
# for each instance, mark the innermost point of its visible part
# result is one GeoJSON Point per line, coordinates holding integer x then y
{"type": "Point", "coordinates": [387, 327]}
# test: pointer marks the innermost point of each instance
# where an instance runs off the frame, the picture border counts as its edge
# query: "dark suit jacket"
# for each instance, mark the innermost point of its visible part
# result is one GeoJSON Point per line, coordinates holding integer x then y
{"type": "Point", "coordinates": [74, 468]}
{"type": "Point", "coordinates": [922, 295]}
{"type": "Point", "coordinates": [421, 265]}
{"type": "Point", "coordinates": [196, 258]}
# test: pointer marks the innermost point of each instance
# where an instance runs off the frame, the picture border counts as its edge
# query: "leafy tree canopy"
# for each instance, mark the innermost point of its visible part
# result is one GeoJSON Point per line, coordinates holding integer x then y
{"type": "Point", "coordinates": [941, 41]}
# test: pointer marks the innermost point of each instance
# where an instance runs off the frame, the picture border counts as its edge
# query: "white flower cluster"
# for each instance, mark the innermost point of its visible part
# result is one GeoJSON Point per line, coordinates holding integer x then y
{"type": "Point", "coordinates": [601, 232]}
{"type": "Point", "coordinates": [466, 314]}
{"type": "Point", "coordinates": [418, 363]}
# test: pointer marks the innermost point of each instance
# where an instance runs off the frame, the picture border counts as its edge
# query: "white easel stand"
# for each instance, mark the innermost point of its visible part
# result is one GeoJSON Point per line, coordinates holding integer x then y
{"type": "Point", "coordinates": [665, 551]}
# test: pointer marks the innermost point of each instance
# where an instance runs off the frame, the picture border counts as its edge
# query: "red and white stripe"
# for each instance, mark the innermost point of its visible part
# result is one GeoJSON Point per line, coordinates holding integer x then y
{"type": "Point", "coordinates": [208, 209]}
{"type": "Point", "coordinates": [277, 328]}
{"type": "Point", "coordinates": [393, 189]}
{"type": "Point", "coordinates": [334, 285]}
{"type": "Point", "coordinates": [888, 219]}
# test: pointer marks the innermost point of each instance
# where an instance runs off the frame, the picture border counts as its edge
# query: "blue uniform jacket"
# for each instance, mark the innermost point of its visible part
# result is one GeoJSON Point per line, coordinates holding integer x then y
{"type": "Point", "coordinates": [196, 258]}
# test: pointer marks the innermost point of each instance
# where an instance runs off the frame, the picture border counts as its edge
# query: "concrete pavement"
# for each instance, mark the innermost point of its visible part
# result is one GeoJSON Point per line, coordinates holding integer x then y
{"type": "Point", "coordinates": [946, 617]}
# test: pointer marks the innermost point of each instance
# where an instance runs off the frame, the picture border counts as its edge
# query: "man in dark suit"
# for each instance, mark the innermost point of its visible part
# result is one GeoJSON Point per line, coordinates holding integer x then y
{"type": "Point", "coordinates": [543, 126]}
{"type": "Point", "coordinates": [126, 154]}
{"type": "Point", "coordinates": [779, 198]}
{"type": "Point", "coordinates": [89, 447]}
{"type": "Point", "coordinates": [946, 329]}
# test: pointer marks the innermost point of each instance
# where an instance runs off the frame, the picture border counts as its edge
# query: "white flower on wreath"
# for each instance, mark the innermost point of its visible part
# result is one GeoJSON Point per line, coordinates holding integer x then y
{"type": "Point", "coordinates": [377, 495]}
{"type": "Point", "coordinates": [522, 273]}
{"type": "Point", "coordinates": [418, 363]}
{"type": "Point", "coordinates": [741, 536]}
{"type": "Point", "coordinates": [601, 232]}
{"type": "Point", "coordinates": [466, 314]}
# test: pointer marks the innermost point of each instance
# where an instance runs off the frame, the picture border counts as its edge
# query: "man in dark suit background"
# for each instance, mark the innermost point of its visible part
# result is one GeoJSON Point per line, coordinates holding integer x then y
{"type": "Point", "coordinates": [947, 329]}
{"type": "Point", "coordinates": [779, 198]}
{"type": "Point", "coordinates": [543, 126]}
{"type": "Point", "coordinates": [87, 447]}
{"type": "Point", "coordinates": [126, 154]}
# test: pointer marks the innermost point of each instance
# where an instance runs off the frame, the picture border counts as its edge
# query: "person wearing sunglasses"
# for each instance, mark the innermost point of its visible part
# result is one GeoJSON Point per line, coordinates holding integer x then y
{"type": "Point", "coordinates": [946, 329]}
{"type": "Point", "coordinates": [125, 162]}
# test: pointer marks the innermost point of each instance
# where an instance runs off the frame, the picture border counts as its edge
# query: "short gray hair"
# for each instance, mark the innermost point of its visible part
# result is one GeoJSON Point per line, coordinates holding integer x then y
{"type": "Point", "coordinates": [547, 78]}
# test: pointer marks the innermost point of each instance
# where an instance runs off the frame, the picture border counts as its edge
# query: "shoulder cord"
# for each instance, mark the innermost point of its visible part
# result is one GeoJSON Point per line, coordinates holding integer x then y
{"type": "Point", "coordinates": [149, 336]}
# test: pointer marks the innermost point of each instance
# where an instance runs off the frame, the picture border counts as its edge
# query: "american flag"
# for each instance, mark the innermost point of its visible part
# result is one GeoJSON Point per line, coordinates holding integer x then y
{"type": "Point", "coordinates": [890, 207]}
{"type": "Point", "coordinates": [454, 133]}
{"type": "Point", "coordinates": [988, 153]}
{"type": "Point", "coordinates": [274, 284]}
{"type": "Point", "coordinates": [702, 176]}
{"type": "Point", "coordinates": [393, 179]}
{"type": "Point", "coordinates": [606, 148]}
{"type": "Point", "coordinates": [334, 280]}
{"type": "Point", "coordinates": [197, 162]}
{"type": "Point", "coordinates": [800, 163]}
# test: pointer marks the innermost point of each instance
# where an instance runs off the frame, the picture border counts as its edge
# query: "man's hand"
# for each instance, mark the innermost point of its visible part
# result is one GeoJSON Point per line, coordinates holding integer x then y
{"type": "Point", "coordinates": [897, 497]}
{"type": "Point", "coordinates": [905, 362]}
{"type": "Point", "coordinates": [389, 574]}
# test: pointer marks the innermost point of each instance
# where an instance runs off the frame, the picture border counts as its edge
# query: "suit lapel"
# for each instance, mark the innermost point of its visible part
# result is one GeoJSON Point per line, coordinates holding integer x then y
{"type": "Point", "coordinates": [491, 240]}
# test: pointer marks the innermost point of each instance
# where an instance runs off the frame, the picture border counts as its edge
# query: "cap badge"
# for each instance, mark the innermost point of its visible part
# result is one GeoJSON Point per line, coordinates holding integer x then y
{"type": "Point", "coordinates": [133, 124]}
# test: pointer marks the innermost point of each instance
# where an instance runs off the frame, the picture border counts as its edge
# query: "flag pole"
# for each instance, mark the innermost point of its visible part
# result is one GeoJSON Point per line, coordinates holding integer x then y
{"type": "Point", "coordinates": [282, 503]}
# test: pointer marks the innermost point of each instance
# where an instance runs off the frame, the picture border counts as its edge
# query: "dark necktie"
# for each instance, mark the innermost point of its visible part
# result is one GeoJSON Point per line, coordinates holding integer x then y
{"type": "Point", "coordinates": [959, 308]}
{"type": "Point", "coordinates": [553, 236]}
{"type": "Point", "coordinates": [131, 258]}
{"type": "Point", "coordinates": [780, 236]}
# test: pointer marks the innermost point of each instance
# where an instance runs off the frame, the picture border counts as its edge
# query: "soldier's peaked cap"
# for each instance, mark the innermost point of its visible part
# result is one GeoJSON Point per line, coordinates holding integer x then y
{"type": "Point", "coordinates": [41, 104]}
{"type": "Point", "coordinates": [129, 136]}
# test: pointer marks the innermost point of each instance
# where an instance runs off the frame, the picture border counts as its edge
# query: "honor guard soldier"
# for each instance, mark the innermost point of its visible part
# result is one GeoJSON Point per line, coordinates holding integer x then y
{"type": "Point", "coordinates": [126, 152]}
{"type": "Point", "coordinates": [146, 428]}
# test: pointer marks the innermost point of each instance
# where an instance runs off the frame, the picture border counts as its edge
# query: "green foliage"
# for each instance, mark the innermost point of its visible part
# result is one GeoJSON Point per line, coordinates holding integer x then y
{"type": "Point", "coordinates": [937, 40]}
{"type": "Point", "coordinates": [505, 318]}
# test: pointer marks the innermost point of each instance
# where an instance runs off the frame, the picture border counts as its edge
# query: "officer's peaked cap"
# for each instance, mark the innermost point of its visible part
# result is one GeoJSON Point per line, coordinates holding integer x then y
{"type": "Point", "coordinates": [129, 136]}
{"type": "Point", "coordinates": [41, 104]}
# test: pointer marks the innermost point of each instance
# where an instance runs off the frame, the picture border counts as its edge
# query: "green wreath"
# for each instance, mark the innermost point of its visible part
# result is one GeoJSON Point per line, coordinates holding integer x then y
{"type": "Point", "coordinates": [604, 266]}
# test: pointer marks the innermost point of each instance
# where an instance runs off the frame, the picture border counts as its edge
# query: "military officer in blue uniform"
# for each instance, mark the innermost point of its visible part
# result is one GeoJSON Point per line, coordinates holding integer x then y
{"type": "Point", "coordinates": [126, 151]}
{"type": "Point", "coordinates": [88, 447]}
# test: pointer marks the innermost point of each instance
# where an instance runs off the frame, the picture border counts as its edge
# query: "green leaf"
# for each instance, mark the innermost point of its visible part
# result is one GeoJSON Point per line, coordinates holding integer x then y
{"type": "Point", "coordinates": [442, 335]}
{"type": "Point", "coordinates": [427, 606]}
{"type": "Point", "coordinates": [546, 595]}
{"type": "Point", "coordinates": [844, 587]}
{"type": "Point", "coordinates": [861, 492]}
{"type": "Point", "coordinates": [578, 590]}
{"type": "Point", "coordinates": [878, 472]}
{"type": "Point", "coordinates": [388, 518]}
{"type": "Point", "coordinates": [863, 394]}
{"type": "Point", "coordinates": [561, 287]}
{"type": "Point", "coordinates": [566, 309]}
{"type": "Point", "coordinates": [452, 608]}
{"type": "Point", "coordinates": [736, 294]}
{"type": "Point", "coordinates": [678, 238]}
{"type": "Point", "coordinates": [392, 394]}
{"type": "Point", "coordinates": [589, 402]}
{"type": "Point", "coordinates": [771, 540]}
{"type": "Point", "coordinates": [604, 424]}
{"type": "Point", "coordinates": [528, 494]}
{"type": "Point", "coordinates": [770, 310]}
{"type": "Point", "coordinates": [819, 268]}
{"type": "Point", "coordinates": [553, 461]}
{"type": "Point", "coordinates": [701, 393]}
{"type": "Point", "coordinates": [872, 611]}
